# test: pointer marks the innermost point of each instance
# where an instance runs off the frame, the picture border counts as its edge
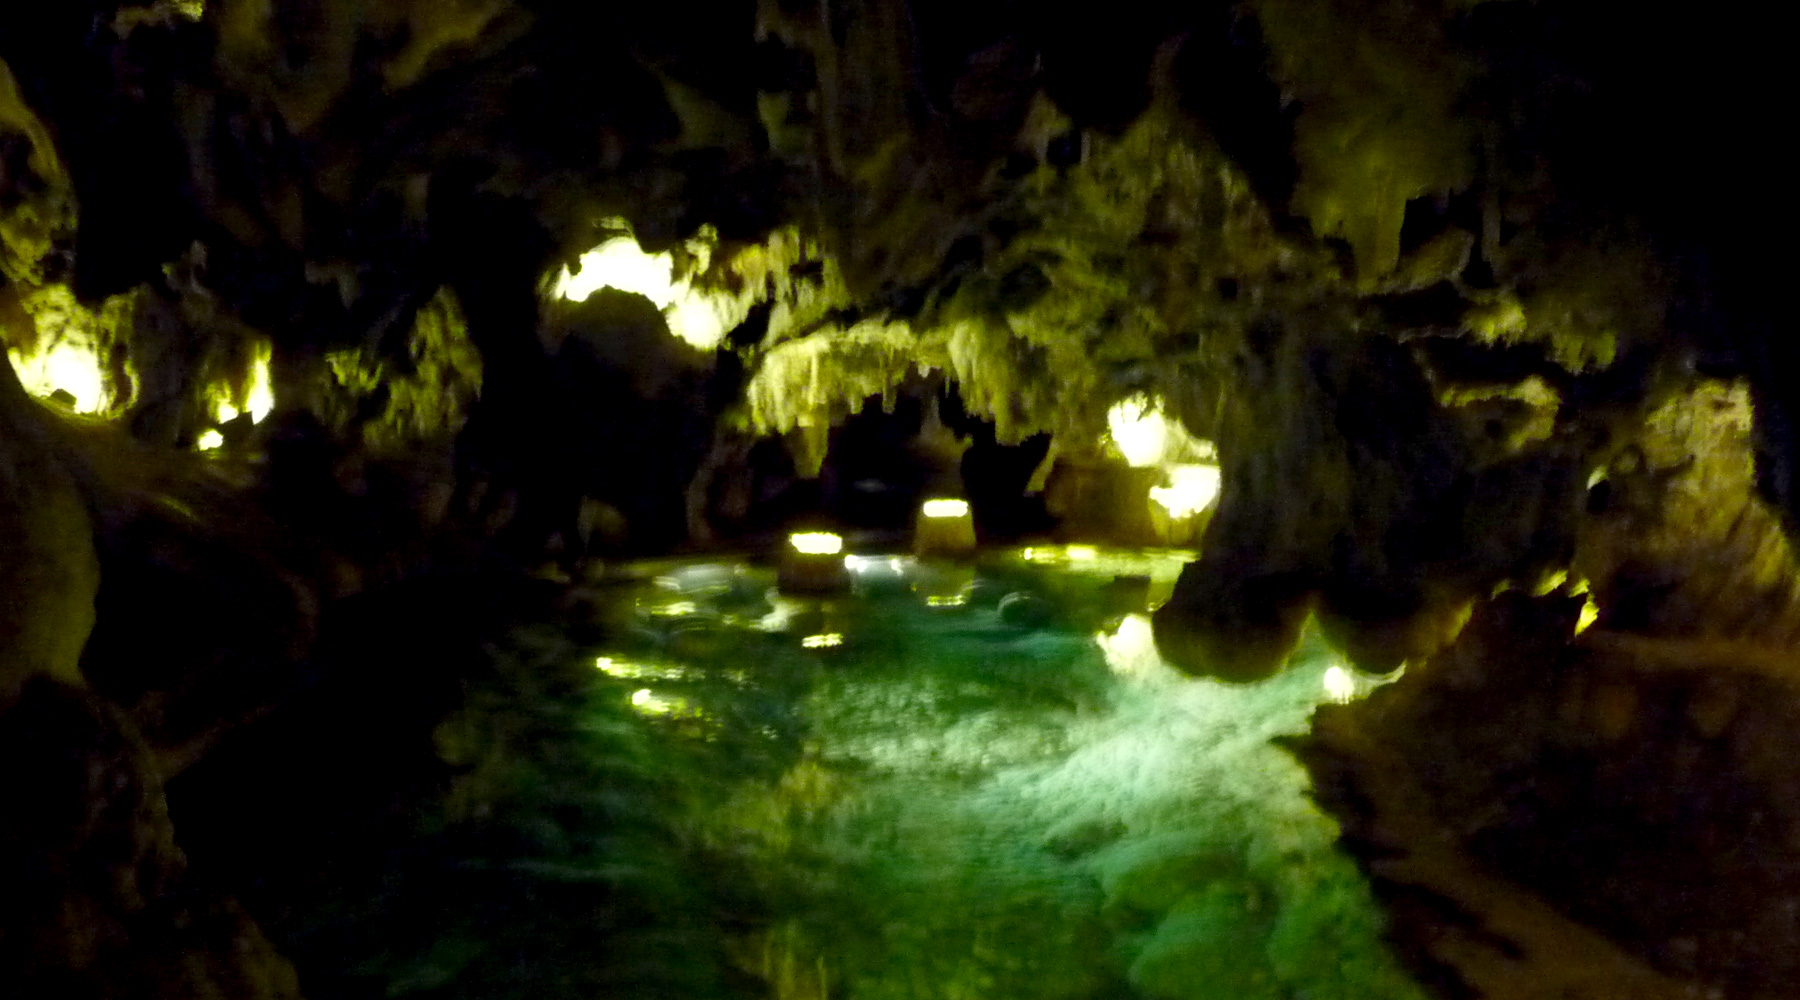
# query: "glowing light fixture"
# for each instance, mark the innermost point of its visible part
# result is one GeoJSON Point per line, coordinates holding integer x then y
{"type": "Point", "coordinates": [946, 508]}
{"type": "Point", "coordinates": [699, 318]}
{"type": "Point", "coordinates": [260, 401]}
{"type": "Point", "coordinates": [1190, 489]}
{"type": "Point", "coordinates": [825, 641]}
{"type": "Point", "coordinates": [1139, 430]}
{"type": "Point", "coordinates": [209, 440]}
{"type": "Point", "coordinates": [1130, 649]}
{"type": "Point", "coordinates": [1340, 685]}
{"type": "Point", "coordinates": [816, 543]}
{"type": "Point", "coordinates": [946, 600]}
{"type": "Point", "coordinates": [1082, 553]}
{"type": "Point", "coordinates": [66, 368]}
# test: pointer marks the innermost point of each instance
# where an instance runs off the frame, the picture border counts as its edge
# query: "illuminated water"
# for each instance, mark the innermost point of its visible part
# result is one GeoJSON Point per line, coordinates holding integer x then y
{"type": "Point", "coordinates": [952, 784]}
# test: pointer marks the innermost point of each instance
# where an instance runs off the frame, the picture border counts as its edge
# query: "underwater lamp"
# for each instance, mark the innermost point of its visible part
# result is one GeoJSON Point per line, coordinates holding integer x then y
{"type": "Point", "coordinates": [811, 563]}
{"type": "Point", "coordinates": [816, 543]}
{"type": "Point", "coordinates": [945, 508]}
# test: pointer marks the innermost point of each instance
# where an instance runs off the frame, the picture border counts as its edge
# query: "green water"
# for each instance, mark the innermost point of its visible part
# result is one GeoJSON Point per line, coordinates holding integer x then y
{"type": "Point", "coordinates": [956, 784]}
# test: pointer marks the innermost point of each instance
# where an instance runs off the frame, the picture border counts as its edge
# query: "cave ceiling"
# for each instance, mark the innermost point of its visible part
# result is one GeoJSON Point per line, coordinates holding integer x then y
{"type": "Point", "coordinates": [1415, 263]}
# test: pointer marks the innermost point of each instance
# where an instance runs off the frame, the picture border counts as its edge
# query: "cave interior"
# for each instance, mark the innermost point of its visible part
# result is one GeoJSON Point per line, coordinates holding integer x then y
{"type": "Point", "coordinates": [850, 499]}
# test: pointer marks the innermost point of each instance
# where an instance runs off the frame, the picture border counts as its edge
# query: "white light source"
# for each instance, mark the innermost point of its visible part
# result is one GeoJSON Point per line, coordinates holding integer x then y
{"type": "Point", "coordinates": [209, 439]}
{"type": "Point", "coordinates": [1138, 430]}
{"type": "Point", "coordinates": [1190, 489]}
{"type": "Point", "coordinates": [648, 702]}
{"type": "Point", "coordinates": [260, 401]}
{"type": "Point", "coordinates": [1082, 553]}
{"type": "Point", "coordinates": [816, 543]}
{"type": "Point", "coordinates": [1340, 686]}
{"type": "Point", "coordinates": [696, 317]}
{"type": "Point", "coordinates": [824, 641]}
{"type": "Point", "coordinates": [946, 508]}
{"type": "Point", "coordinates": [68, 368]}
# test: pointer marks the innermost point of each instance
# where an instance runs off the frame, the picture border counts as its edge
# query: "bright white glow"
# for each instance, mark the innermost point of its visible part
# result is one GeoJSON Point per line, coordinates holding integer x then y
{"type": "Point", "coordinates": [1190, 489]}
{"type": "Point", "coordinates": [676, 609]}
{"type": "Point", "coordinates": [886, 565]}
{"type": "Point", "coordinates": [946, 600]}
{"type": "Point", "coordinates": [824, 641]}
{"type": "Point", "coordinates": [946, 508]}
{"type": "Point", "coordinates": [620, 263]}
{"type": "Point", "coordinates": [1139, 430]}
{"type": "Point", "coordinates": [816, 543]}
{"type": "Point", "coordinates": [258, 397]}
{"type": "Point", "coordinates": [1340, 685]}
{"type": "Point", "coordinates": [648, 702]}
{"type": "Point", "coordinates": [696, 317]}
{"type": "Point", "coordinates": [260, 401]}
{"type": "Point", "coordinates": [1082, 553]}
{"type": "Point", "coordinates": [68, 368]}
{"type": "Point", "coordinates": [209, 439]}
{"type": "Point", "coordinates": [1130, 649]}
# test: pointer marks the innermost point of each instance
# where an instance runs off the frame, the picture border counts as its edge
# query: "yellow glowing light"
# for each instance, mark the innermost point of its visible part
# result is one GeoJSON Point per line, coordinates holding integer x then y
{"type": "Point", "coordinates": [696, 317]}
{"type": "Point", "coordinates": [946, 508]}
{"type": "Point", "coordinates": [824, 641]}
{"type": "Point", "coordinates": [1130, 649]}
{"type": "Point", "coordinates": [1139, 430]}
{"type": "Point", "coordinates": [946, 600]}
{"type": "Point", "coordinates": [258, 397]}
{"type": "Point", "coordinates": [1082, 553]}
{"type": "Point", "coordinates": [648, 702]}
{"type": "Point", "coordinates": [1190, 489]}
{"type": "Point", "coordinates": [675, 609]}
{"type": "Point", "coordinates": [209, 439]}
{"type": "Point", "coordinates": [260, 401]}
{"type": "Point", "coordinates": [1550, 583]}
{"type": "Point", "coordinates": [1340, 686]}
{"type": "Point", "coordinates": [1590, 613]}
{"type": "Point", "coordinates": [816, 543]}
{"type": "Point", "coordinates": [625, 670]}
{"type": "Point", "coordinates": [66, 368]}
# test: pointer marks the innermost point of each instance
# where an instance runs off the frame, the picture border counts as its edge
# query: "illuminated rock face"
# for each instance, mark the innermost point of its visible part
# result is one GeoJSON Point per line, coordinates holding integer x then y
{"type": "Point", "coordinates": [1665, 752]}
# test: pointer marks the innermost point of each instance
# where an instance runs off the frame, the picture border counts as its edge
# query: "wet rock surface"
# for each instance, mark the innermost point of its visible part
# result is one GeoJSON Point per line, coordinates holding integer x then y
{"type": "Point", "coordinates": [1638, 787]}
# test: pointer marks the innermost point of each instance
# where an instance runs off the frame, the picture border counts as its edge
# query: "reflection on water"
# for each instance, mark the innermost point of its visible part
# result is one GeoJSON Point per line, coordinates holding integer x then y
{"type": "Point", "coordinates": [890, 795]}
